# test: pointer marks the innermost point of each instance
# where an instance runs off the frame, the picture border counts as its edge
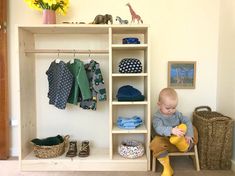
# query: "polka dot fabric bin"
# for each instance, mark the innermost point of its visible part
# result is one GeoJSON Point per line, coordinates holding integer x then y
{"type": "Point", "coordinates": [131, 149]}
{"type": "Point", "coordinates": [130, 65]}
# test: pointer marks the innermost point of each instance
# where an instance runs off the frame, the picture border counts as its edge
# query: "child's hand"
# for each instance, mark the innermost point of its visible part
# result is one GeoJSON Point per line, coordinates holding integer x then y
{"type": "Point", "coordinates": [178, 132]}
{"type": "Point", "coordinates": [189, 139]}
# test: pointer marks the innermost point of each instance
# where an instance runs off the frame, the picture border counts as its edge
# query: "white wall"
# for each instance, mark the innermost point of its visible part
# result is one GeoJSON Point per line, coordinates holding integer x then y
{"type": "Point", "coordinates": [180, 30]}
{"type": "Point", "coordinates": [226, 62]}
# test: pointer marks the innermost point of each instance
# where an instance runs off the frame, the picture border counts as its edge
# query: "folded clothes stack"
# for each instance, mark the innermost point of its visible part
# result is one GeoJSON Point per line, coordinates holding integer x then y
{"type": "Point", "coordinates": [129, 93]}
{"type": "Point", "coordinates": [129, 122]}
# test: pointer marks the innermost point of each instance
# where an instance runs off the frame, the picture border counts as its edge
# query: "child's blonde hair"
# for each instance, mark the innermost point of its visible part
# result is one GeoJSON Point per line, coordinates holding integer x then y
{"type": "Point", "coordinates": [167, 92]}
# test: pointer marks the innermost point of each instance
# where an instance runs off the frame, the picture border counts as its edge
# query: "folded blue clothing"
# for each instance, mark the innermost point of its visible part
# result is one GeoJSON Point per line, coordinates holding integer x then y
{"type": "Point", "coordinates": [129, 118]}
{"type": "Point", "coordinates": [128, 128]}
{"type": "Point", "coordinates": [123, 125]}
{"type": "Point", "coordinates": [129, 122]}
{"type": "Point", "coordinates": [123, 121]}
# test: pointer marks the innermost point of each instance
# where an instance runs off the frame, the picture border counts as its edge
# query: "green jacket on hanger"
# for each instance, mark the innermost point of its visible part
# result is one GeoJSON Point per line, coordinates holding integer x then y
{"type": "Point", "coordinates": [80, 83]}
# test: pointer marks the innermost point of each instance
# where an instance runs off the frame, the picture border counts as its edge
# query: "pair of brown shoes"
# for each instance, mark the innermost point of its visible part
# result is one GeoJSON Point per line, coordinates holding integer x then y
{"type": "Point", "coordinates": [84, 150]}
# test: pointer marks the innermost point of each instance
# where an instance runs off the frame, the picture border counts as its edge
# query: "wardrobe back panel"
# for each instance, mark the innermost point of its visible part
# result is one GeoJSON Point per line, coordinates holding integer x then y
{"type": "Point", "coordinates": [80, 124]}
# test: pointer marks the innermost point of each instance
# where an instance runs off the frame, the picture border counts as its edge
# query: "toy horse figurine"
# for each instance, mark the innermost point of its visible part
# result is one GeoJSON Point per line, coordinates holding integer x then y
{"type": "Point", "coordinates": [121, 21]}
{"type": "Point", "coordinates": [134, 15]}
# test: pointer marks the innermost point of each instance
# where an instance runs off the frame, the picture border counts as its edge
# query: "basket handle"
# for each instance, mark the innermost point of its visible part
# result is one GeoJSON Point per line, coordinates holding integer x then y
{"type": "Point", "coordinates": [66, 140]}
{"type": "Point", "coordinates": [66, 137]}
{"type": "Point", "coordinates": [203, 107]}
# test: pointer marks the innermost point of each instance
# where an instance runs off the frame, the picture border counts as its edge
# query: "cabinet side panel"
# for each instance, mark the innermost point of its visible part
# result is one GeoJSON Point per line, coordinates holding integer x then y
{"type": "Point", "coordinates": [148, 97]}
{"type": "Point", "coordinates": [27, 92]}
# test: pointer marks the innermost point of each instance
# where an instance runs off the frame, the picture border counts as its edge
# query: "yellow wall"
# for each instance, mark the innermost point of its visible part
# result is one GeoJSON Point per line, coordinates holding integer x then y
{"type": "Point", "coordinates": [226, 62]}
{"type": "Point", "coordinates": [181, 30]}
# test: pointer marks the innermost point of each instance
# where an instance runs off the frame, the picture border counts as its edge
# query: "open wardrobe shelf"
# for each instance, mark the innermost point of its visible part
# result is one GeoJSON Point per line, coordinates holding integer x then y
{"type": "Point", "coordinates": [118, 118]}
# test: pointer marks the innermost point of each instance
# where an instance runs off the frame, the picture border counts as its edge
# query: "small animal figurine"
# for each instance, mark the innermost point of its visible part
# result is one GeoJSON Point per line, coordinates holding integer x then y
{"type": "Point", "coordinates": [121, 21]}
{"type": "Point", "coordinates": [134, 16]}
{"type": "Point", "coordinates": [103, 19]}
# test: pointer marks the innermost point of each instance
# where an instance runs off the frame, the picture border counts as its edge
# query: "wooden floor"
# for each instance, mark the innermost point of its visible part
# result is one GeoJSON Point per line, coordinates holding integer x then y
{"type": "Point", "coordinates": [182, 167]}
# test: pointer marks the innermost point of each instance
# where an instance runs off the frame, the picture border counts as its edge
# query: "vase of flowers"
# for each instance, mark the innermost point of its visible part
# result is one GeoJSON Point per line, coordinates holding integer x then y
{"type": "Point", "coordinates": [49, 8]}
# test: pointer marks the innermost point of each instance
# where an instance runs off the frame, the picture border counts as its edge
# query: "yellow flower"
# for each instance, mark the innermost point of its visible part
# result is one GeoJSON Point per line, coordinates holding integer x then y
{"type": "Point", "coordinates": [50, 2]}
{"type": "Point", "coordinates": [59, 6]}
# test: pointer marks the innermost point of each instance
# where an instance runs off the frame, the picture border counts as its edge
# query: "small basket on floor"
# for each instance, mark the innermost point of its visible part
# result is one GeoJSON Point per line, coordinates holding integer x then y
{"type": "Point", "coordinates": [215, 138]}
{"type": "Point", "coordinates": [50, 151]}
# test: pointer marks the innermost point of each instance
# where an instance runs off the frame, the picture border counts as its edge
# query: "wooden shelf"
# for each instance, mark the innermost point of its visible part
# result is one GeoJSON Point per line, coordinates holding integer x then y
{"type": "Point", "coordinates": [140, 129]}
{"type": "Point", "coordinates": [129, 46]}
{"type": "Point", "coordinates": [95, 154]}
{"type": "Point", "coordinates": [115, 102]}
{"type": "Point", "coordinates": [66, 29]}
{"type": "Point", "coordinates": [85, 29]}
{"type": "Point", "coordinates": [130, 29]}
{"type": "Point", "coordinates": [129, 74]}
{"type": "Point", "coordinates": [116, 156]}
{"type": "Point", "coordinates": [98, 160]}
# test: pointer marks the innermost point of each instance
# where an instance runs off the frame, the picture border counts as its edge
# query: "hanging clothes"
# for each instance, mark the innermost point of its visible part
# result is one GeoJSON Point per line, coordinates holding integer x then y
{"type": "Point", "coordinates": [80, 89]}
{"type": "Point", "coordinates": [96, 83]}
{"type": "Point", "coordinates": [60, 83]}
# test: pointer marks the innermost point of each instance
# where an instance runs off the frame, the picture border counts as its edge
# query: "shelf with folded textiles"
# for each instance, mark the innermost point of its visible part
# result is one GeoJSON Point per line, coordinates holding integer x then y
{"type": "Point", "coordinates": [130, 90]}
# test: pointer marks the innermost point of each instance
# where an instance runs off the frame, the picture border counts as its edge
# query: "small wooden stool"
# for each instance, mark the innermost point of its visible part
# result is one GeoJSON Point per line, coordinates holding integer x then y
{"type": "Point", "coordinates": [193, 154]}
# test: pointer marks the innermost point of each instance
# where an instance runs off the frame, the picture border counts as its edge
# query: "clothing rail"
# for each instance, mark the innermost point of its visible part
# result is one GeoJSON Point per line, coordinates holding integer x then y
{"type": "Point", "coordinates": [73, 51]}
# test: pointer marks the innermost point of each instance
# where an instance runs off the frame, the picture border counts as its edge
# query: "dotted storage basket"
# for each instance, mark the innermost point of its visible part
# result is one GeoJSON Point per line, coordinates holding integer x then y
{"type": "Point", "coordinates": [131, 149]}
{"type": "Point", "coordinates": [50, 151]}
{"type": "Point", "coordinates": [215, 133]}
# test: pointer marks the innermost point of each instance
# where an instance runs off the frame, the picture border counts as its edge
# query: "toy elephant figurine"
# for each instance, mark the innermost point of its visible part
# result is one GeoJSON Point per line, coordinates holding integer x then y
{"type": "Point", "coordinates": [103, 19]}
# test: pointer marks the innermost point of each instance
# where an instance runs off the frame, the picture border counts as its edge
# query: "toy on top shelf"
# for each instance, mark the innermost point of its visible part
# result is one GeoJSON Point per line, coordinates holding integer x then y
{"type": "Point", "coordinates": [134, 16]}
{"type": "Point", "coordinates": [103, 19]}
{"type": "Point", "coordinates": [121, 21]}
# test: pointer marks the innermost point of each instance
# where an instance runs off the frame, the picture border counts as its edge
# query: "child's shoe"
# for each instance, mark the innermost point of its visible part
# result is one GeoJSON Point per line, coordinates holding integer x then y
{"type": "Point", "coordinates": [180, 142]}
{"type": "Point", "coordinates": [72, 152]}
{"type": "Point", "coordinates": [165, 162]}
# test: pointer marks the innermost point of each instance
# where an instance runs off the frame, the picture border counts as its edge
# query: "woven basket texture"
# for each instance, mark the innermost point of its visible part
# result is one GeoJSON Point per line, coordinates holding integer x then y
{"type": "Point", "coordinates": [50, 151]}
{"type": "Point", "coordinates": [215, 133]}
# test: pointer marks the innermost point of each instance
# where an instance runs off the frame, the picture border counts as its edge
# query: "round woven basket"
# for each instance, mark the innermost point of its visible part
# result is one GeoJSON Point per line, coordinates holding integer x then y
{"type": "Point", "coordinates": [131, 149]}
{"type": "Point", "coordinates": [50, 151]}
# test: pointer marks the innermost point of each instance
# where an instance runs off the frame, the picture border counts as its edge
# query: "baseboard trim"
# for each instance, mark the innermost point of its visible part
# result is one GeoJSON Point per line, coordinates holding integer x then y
{"type": "Point", "coordinates": [233, 165]}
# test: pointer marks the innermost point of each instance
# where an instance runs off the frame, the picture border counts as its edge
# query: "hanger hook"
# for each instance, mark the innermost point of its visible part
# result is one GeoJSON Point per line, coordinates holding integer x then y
{"type": "Point", "coordinates": [89, 52]}
{"type": "Point", "coordinates": [58, 53]}
{"type": "Point", "coordinates": [74, 53]}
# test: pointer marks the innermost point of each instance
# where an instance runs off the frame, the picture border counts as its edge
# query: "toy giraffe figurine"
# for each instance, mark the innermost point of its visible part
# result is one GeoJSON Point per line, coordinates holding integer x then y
{"type": "Point", "coordinates": [134, 15]}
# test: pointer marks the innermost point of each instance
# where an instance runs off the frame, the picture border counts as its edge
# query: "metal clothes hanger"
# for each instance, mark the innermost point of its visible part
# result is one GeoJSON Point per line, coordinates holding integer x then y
{"type": "Point", "coordinates": [58, 60]}
{"type": "Point", "coordinates": [72, 60]}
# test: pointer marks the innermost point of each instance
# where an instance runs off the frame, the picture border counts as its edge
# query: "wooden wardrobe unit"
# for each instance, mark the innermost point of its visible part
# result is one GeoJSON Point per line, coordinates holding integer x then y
{"type": "Point", "coordinates": [35, 40]}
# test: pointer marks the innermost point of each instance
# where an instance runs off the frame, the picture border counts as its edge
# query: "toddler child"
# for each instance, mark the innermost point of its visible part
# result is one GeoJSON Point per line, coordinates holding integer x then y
{"type": "Point", "coordinates": [171, 130]}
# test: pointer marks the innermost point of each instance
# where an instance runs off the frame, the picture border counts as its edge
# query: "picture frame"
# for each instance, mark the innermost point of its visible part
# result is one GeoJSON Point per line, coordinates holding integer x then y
{"type": "Point", "coordinates": [182, 74]}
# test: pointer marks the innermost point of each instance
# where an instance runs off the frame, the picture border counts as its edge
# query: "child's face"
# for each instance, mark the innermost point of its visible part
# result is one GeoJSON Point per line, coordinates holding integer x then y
{"type": "Point", "coordinates": [167, 106]}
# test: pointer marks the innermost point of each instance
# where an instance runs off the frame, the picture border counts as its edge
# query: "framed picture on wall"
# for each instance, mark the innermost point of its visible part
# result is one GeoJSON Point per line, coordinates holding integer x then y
{"type": "Point", "coordinates": [181, 74]}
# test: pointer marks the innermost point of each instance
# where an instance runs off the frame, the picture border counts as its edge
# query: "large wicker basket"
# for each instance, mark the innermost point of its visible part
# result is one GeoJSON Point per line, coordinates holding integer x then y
{"type": "Point", "coordinates": [50, 151]}
{"type": "Point", "coordinates": [215, 138]}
